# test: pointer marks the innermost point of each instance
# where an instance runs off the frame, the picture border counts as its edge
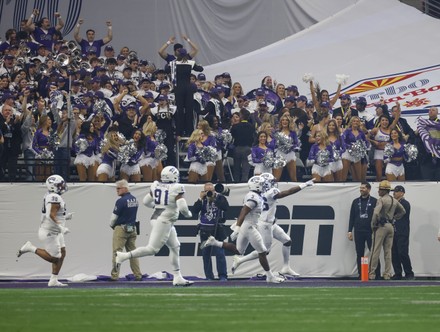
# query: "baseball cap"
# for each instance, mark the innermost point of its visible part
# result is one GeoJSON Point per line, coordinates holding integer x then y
{"type": "Point", "coordinates": [162, 97]}
{"type": "Point", "coordinates": [7, 96]}
{"type": "Point", "coordinates": [76, 82]}
{"type": "Point", "coordinates": [361, 100]}
{"type": "Point", "coordinates": [96, 79]}
{"type": "Point", "coordinates": [399, 189]}
{"type": "Point", "coordinates": [164, 86]}
{"type": "Point", "coordinates": [148, 94]}
{"type": "Point", "coordinates": [263, 103]}
{"type": "Point", "coordinates": [259, 92]}
{"type": "Point", "coordinates": [121, 57]}
{"type": "Point", "coordinates": [292, 88]}
{"type": "Point", "coordinates": [226, 74]}
{"type": "Point", "coordinates": [201, 77]}
{"type": "Point", "coordinates": [290, 98]}
{"type": "Point", "coordinates": [325, 105]}
{"type": "Point", "coordinates": [345, 96]}
{"type": "Point", "coordinates": [177, 46]}
{"type": "Point", "coordinates": [109, 48]}
{"type": "Point", "coordinates": [302, 98]}
{"type": "Point", "coordinates": [99, 94]}
{"type": "Point", "coordinates": [183, 52]}
{"type": "Point", "coordinates": [9, 57]}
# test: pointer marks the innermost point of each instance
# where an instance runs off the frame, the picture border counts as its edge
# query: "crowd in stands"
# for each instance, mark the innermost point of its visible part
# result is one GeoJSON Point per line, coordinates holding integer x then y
{"type": "Point", "coordinates": [79, 108]}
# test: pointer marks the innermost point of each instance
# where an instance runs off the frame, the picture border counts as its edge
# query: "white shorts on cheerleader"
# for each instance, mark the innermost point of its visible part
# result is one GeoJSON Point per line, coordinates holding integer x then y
{"type": "Point", "coordinates": [336, 166]}
{"type": "Point", "coordinates": [395, 170]}
{"type": "Point", "coordinates": [130, 170]}
{"type": "Point", "coordinates": [148, 161]}
{"type": "Point", "coordinates": [347, 156]}
{"type": "Point", "coordinates": [82, 159]}
{"type": "Point", "coordinates": [106, 169]}
{"type": "Point", "coordinates": [378, 154]}
{"type": "Point", "coordinates": [321, 170]}
{"type": "Point", "coordinates": [291, 156]}
{"type": "Point", "coordinates": [260, 169]}
{"type": "Point", "coordinates": [198, 168]}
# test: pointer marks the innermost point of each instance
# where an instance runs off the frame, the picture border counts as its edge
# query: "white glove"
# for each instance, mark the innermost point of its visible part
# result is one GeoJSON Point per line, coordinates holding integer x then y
{"type": "Point", "coordinates": [307, 184]}
{"type": "Point", "coordinates": [234, 234]}
{"type": "Point", "coordinates": [69, 216]}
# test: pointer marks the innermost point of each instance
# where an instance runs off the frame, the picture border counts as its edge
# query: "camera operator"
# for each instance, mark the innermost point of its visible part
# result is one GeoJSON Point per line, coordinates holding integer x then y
{"type": "Point", "coordinates": [211, 207]}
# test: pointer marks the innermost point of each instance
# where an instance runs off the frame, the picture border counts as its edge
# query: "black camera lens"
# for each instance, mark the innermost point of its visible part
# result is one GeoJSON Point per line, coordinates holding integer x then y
{"type": "Point", "coordinates": [209, 194]}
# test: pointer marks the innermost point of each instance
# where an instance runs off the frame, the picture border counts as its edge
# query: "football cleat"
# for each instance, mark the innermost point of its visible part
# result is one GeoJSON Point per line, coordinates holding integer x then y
{"type": "Point", "coordinates": [235, 263]}
{"type": "Point", "coordinates": [180, 281]}
{"type": "Point", "coordinates": [27, 247]}
{"type": "Point", "coordinates": [274, 280]}
{"type": "Point", "coordinates": [288, 272]}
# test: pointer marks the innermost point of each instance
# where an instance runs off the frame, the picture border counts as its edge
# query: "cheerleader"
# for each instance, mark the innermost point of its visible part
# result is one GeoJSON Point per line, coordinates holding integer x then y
{"type": "Point", "coordinates": [149, 164]}
{"type": "Point", "coordinates": [40, 143]}
{"type": "Point", "coordinates": [86, 149]}
{"type": "Point", "coordinates": [107, 169]}
{"type": "Point", "coordinates": [286, 133]}
{"type": "Point", "coordinates": [350, 136]}
{"type": "Point", "coordinates": [209, 140]}
{"type": "Point", "coordinates": [333, 132]}
{"type": "Point", "coordinates": [321, 157]}
{"type": "Point", "coordinates": [198, 169]}
{"type": "Point", "coordinates": [130, 169]}
{"type": "Point", "coordinates": [394, 170]}
{"type": "Point", "coordinates": [221, 146]}
{"type": "Point", "coordinates": [258, 153]}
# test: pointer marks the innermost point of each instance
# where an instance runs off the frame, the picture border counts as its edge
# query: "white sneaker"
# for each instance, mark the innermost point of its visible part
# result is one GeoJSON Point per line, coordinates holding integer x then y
{"type": "Point", "coordinates": [209, 242]}
{"type": "Point", "coordinates": [121, 257]}
{"type": "Point", "coordinates": [180, 281]}
{"type": "Point", "coordinates": [27, 247]}
{"type": "Point", "coordinates": [288, 272]}
{"type": "Point", "coordinates": [56, 283]}
{"type": "Point", "coordinates": [275, 280]}
{"type": "Point", "coordinates": [235, 263]}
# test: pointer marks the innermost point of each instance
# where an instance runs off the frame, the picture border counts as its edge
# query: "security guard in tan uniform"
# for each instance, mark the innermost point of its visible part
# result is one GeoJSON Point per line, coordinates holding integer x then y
{"type": "Point", "coordinates": [387, 210]}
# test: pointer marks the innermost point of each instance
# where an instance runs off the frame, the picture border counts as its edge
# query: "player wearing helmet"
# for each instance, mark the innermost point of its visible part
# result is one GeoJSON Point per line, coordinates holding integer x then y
{"type": "Point", "coordinates": [245, 230]}
{"type": "Point", "coordinates": [267, 225]}
{"type": "Point", "coordinates": [52, 228]}
{"type": "Point", "coordinates": [166, 197]}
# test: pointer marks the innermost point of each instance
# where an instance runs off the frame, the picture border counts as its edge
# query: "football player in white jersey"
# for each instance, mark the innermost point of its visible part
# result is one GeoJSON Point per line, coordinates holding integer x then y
{"type": "Point", "coordinates": [246, 230]}
{"type": "Point", "coordinates": [267, 225]}
{"type": "Point", "coordinates": [52, 228]}
{"type": "Point", "coordinates": [166, 197]}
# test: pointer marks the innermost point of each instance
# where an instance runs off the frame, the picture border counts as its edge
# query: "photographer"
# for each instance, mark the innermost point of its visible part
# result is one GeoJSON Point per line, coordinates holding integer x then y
{"type": "Point", "coordinates": [211, 206]}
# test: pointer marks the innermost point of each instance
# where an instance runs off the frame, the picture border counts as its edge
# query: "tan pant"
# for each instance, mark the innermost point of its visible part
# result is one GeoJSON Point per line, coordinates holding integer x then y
{"type": "Point", "coordinates": [383, 236]}
{"type": "Point", "coordinates": [121, 240]}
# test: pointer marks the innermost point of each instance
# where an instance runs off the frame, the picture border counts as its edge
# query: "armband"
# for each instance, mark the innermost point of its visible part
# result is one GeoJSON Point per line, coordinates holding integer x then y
{"type": "Point", "coordinates": [168, 42]}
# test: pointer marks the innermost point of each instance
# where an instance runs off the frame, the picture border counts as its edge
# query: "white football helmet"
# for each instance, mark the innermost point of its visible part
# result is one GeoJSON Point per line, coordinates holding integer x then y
{"type": "Point", "coordinates": [270, 181]}
{"type": "Point", "coordinates": [56, 184]}
{"type": "Point", "coordinates": [170, 174]}
{"type": "Point", "coordinates": [256, 183]}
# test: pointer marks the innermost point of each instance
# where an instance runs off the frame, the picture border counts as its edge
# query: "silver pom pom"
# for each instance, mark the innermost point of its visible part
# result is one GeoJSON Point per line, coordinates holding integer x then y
{"type": "Point", "coordinates": [358, 149]}
{"type": "Point", "coordinates": [336, 154]}
{"type": "Point", "coordinates": [279, 162]}
{"type": "Point", "coordinates": [388, 151]}
{"type": "Point", "coordinates": [411, 152]}
{"type": "Point", "coordinates": [323, 158]}
{"type": "Point", "coordinates": [284, 143]}
{"type": "Point", "coordinates": [160, 152]}
{"type": "Point", "coordinates": [208, 153]}
{"type": "Point", "coordinates": [269, 159]}
{"type": "Point", "coordinates": [81, 144]}
{"type": "Point", "coordinates": [54, 140]}
{"type": "Point", "coordinates": [160, 135]}
{"type": "Point", "coordinates": [102, 144]}
{"type": "Point", "coordinates": [126, 151]}
{"type": "Point", "coordinates": [46, 155]}
{"type": "Point", "coordinates": [225, 137]}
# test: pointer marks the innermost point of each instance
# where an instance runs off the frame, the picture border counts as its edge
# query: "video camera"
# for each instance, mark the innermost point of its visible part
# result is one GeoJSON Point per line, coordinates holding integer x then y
{"type": "Point", "coordinates": [219, 189]}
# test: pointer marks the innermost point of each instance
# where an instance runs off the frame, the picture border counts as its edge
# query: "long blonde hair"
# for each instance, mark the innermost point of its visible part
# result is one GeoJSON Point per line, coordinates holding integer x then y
{"type": "Point", "coordinates": [112, 144]}
{"type": "Point", "coordinates": [195, 137]}
{"type": "Point", "coordinates": [204, 126]}
{"type": "Point", "coordinates": [292, 125]}
{"type": "Point", "coordinates": [149, 128]}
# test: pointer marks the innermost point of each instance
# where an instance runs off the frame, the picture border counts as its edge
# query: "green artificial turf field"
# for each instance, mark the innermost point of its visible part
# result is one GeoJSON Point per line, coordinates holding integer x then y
{"type": "Point", "coordinates": [221, 309]}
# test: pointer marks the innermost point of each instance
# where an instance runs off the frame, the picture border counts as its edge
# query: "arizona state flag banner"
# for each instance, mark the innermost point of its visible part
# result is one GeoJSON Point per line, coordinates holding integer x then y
{"type": "Point", "coordinates": [415, 90]}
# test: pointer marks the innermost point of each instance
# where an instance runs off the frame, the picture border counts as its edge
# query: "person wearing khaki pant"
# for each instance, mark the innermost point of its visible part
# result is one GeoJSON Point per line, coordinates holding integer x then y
{"type": "Point", "coordinates": [386, 211]}
{"type": "Point", "coordinates": [123, 239]}
{"type": "Point", "coordinates": [123, 223]}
